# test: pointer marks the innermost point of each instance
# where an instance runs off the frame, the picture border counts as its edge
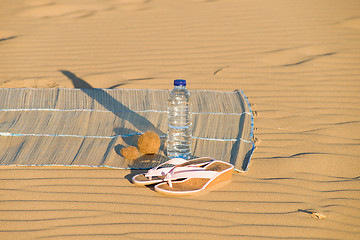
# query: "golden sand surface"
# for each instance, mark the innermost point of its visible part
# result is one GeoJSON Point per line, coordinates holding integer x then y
{"type": "Point", "coordinates": [297, 61]}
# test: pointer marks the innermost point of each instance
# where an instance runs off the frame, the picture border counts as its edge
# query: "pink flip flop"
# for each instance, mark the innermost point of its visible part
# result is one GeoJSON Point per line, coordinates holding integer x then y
{"type": "Point", "coordinates": [157, 174]}
{"type": "Point", "coordinates": [195, 181]}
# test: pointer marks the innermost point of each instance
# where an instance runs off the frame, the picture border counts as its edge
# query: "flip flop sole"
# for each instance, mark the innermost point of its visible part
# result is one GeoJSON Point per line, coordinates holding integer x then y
{"type": "Point", "coordinates": [191, 186]}
{"type": "Point", "coordinates": [141, 180]}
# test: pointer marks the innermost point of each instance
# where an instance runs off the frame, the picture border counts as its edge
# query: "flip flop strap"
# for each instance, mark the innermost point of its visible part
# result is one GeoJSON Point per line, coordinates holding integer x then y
{"type": "Point", "coordinates": [189, 173]}
{"type": "Point", "coordinates": [188, 164]}
{"type": "Point", "coordinates": [185, 168]}
{"type": "Point", "coordinates": [173, 161]}
{"type": "Point", "coordinates": [163, 171]}
{"type": "Point", "coordinates": [178, 162]}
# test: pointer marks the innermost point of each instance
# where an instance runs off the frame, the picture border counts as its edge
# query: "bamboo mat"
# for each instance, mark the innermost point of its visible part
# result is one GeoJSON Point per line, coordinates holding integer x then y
{"type": "Point", "coordinates": [88, 127]}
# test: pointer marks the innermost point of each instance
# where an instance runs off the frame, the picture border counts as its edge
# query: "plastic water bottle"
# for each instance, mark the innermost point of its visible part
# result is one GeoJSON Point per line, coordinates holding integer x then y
{"type": "Point", "coordinates": [179, 122]}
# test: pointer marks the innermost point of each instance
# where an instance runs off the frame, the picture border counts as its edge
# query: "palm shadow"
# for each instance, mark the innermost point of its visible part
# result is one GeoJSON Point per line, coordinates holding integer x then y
{"type": "Point", "coordinates": [108, 102]}
{"type": "Point", "coordinates": [139, 122]}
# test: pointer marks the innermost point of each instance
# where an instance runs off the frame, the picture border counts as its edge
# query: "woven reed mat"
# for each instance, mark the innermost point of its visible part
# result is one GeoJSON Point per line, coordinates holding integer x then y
{"type": "Point", "coordinates": [88, 127]}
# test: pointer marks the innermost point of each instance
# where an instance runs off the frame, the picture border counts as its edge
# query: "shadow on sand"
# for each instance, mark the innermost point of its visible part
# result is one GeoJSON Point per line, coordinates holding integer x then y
{"type": "Point", "coordinates": [138, 121]}
{"type": "Point", "coordinates": [107, 101]}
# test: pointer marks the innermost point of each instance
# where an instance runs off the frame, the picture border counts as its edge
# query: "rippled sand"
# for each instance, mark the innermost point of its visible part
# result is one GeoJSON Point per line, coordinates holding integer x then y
{"type": "Point", "coordinates": [298, 63]}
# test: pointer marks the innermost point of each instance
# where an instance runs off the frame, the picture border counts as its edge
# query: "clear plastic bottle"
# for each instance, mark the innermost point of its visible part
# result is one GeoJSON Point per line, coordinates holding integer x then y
{"type": "Point", "coordinates": [179, 122]}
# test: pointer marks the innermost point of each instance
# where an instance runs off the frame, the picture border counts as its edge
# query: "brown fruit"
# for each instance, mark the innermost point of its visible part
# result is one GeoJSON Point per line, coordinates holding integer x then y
{"type": "Point", "coordinates": [149, 143]}
{"type": "Point", "coordinates": [130, 153]}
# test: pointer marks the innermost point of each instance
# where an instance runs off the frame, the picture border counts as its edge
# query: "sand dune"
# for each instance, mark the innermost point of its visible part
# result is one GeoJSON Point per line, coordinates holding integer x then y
{"type": "Point", "coordinates": [297, 61]}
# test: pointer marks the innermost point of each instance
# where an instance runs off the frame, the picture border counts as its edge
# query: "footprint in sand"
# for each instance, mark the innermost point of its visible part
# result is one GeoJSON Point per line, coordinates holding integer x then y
{"type": "Point", "coordinates": [287, 57]}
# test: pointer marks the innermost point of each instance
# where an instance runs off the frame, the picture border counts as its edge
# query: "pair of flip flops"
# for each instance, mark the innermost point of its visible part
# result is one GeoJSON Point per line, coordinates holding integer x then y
{"type": "Point", "coordinates": [181, 177]}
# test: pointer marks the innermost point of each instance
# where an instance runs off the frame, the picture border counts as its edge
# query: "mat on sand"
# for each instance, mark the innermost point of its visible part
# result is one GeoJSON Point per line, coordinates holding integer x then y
{"type": "Point", "coordinates": [88, 127]}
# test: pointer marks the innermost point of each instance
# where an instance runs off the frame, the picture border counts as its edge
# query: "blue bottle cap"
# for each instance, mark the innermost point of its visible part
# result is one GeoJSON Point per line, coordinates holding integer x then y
{"type": "Point", "coordinates": [179, 82]}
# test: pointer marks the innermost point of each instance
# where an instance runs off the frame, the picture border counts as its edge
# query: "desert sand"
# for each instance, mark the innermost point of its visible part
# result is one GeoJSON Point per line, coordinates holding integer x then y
{"type": "Point", "coordinates": [298, 62]}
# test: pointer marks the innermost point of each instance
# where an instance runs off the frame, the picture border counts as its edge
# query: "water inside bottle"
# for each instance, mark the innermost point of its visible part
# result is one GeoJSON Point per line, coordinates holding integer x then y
{"type": "Point", "coordinates": [179, 124]}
